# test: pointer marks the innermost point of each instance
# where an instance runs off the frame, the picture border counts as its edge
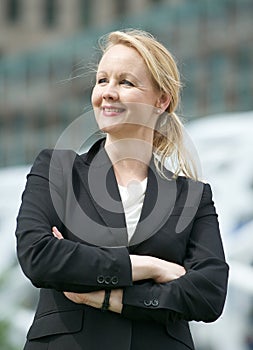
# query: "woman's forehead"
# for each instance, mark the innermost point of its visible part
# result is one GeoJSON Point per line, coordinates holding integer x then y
{"type": "Point", "coordinates": [124, 58]}
{"type": "Point", "coordinates": [121, 52]}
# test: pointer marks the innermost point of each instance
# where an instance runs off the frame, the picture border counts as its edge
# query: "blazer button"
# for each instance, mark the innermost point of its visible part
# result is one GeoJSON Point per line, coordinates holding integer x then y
{"type": "Point", "coordinates": [155, 302]}
{"type": "Point", "coordinates": [147, 302]}
{"type": "Point", "coordinates": [108, 279]}
{"type": "Point", "coordinates": [100, 279]}
{"type": "Point", "coordinates": [115, 280]}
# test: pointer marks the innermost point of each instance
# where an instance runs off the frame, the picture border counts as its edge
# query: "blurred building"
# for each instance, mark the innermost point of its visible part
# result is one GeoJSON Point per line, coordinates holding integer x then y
{"type": "Point", "coordinates": [26, 23]}
{"type": "Point", "coordinates": [47, 47]}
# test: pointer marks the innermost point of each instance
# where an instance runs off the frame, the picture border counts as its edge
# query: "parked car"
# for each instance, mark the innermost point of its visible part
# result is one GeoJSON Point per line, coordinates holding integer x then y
{"type": "Point", "coordinates": [225, 143]}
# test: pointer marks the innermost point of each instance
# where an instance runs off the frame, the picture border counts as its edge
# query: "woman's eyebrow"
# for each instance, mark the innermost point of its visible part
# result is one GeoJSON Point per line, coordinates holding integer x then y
{"type": "Point", "coordinates": [128, 74]}
{"type": "Point", "coordinates": [101, 72]}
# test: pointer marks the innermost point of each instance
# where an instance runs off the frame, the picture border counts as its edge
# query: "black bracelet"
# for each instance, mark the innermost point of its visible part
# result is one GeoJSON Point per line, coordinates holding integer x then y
{"type": "Point", "coordinates": [106, 302]}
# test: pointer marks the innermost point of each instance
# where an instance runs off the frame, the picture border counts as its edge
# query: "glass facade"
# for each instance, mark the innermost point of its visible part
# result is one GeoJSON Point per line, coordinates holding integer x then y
{"type": "Point", "coordinates": [42, 92]}
{"type": "Point", "coordinates": [50, 13]}
{"type": "Point", "coordinates": [12, 10]}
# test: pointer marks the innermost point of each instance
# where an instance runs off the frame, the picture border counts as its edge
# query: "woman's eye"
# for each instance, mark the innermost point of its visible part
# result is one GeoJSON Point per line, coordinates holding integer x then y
{"type": "Point", "coordinates": [102, 80]}
{"type": "Point", "coordinates": [126, 82]}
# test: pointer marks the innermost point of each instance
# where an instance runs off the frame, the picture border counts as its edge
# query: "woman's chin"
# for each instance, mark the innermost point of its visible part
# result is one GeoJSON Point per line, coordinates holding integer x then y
{"type": "Point", "coordinates": [111, 125]}
{"type": "Point", "coordinates": [112, 129]}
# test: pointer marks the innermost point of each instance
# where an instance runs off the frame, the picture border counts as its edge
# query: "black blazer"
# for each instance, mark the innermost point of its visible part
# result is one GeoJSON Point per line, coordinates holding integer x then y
{"type": "Point", "coordinates": [79, 195]}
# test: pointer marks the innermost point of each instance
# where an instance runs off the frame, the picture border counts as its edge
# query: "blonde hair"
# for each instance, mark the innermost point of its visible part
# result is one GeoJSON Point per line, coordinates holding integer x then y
{"type": "Point", "coordinates": [168, 136]}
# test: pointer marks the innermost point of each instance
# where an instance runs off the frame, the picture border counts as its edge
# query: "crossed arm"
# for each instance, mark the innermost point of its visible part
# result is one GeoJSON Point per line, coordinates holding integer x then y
{"type": "Point", "coordinates": [143, 267]}
{"type": "Point", "coordinates": [50, 262]}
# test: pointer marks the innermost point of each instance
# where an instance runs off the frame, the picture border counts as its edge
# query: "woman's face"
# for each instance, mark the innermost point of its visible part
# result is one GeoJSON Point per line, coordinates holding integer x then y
{"type": "Point", "coordinates": [124, 96]}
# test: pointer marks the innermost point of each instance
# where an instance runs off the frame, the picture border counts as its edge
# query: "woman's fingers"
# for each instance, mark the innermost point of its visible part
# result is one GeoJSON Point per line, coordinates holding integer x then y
{"type": "Point", "coordinates": [56, 233]}
{"type": "Point", "coordinates": [166, 271]}
{"type": "Point", "coordinates": [94, 299]}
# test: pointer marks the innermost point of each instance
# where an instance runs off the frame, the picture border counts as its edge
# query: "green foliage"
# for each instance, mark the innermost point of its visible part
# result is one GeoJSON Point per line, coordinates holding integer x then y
{"type": "Point", "coordinates": [5, 342]}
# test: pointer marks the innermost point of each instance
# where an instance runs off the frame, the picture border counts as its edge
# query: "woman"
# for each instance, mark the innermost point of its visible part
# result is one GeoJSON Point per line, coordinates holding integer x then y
{"type": "Point", "coordinates": [125, 251]}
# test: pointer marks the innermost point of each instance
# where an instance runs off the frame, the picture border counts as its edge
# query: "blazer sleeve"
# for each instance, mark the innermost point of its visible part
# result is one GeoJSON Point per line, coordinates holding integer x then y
{"type": "Point", "coordinates": [63, 265]}
{"type": "Point", "coordinates": [198, 295]}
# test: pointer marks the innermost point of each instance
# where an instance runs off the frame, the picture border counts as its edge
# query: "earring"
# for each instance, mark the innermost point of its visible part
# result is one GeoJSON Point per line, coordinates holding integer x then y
{"type": "Point", "coordinates": [159, 111]}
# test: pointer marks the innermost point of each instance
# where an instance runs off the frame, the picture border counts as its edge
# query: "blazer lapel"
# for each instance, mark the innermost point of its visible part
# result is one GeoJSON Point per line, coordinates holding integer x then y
{"type": "Point", "coordinates": [164, 197]}
{"type": "Point", "coordinates": [158, 205]}
{"type": "Point", "coordinates": [98, 178]}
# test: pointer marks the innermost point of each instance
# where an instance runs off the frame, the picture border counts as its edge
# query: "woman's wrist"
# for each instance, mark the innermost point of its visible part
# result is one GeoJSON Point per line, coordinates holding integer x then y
{"type": "Point", "coordinates": [142, 267]}
{"type": "Point", "coordinates": [106, 302]}
{"type": "Point", "coordinates": [154, 267]}
{"type": "Point", "coordinates": [116, 301]}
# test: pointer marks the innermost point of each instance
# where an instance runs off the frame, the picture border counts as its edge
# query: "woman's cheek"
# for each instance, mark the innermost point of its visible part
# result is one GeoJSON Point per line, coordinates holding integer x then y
{"type": "Point", "coordinates": [95, 97]}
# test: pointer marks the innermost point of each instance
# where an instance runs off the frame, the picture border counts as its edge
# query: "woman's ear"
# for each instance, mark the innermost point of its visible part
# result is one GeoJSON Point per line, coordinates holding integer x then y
{"type": "Point", "coordinates": [163, 101]}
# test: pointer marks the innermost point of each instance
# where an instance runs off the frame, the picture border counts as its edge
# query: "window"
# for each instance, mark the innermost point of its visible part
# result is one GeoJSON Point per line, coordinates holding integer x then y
{"type": "Point", "coordinates": [50, 13]}
{"type": "Point", "coordinates": [155, 2]}
{"type": "Point", "coordinates": [12, 10]}
{"type": "Point", "coordinates": [85, 12]}
{"type": "Point", "coordinates": [121, 7]}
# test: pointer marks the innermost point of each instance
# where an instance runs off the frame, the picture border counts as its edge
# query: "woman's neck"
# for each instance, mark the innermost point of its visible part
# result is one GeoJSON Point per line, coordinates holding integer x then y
{"type": "Point", "coordinates": [128, 170]}
{"type": "Point", "coordinates": [130, 158]}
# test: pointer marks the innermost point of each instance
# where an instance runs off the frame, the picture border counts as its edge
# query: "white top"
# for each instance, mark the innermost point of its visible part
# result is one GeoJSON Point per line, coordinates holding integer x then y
{"type": "Point", "coordinates": [132, 198]}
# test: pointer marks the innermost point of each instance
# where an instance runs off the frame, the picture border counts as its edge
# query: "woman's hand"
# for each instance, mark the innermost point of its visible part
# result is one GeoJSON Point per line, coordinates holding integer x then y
{"type": "Point", "coordinates": [57, 233]}
{"type": "Point", "coordinates": [161, 271]}
{"type": "Point", "coordinates": [166, 271]}
{"type": "Point", "coordinates": [95, 299]}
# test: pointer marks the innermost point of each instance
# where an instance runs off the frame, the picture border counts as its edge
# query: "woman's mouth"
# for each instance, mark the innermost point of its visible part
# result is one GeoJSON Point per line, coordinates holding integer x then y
{"type": "Point", "coordinates": [112, 111]}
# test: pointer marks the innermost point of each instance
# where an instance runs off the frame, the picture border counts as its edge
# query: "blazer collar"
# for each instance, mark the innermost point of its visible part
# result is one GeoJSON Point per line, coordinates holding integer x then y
{"type": "Point", "coordinates": [98, 177]}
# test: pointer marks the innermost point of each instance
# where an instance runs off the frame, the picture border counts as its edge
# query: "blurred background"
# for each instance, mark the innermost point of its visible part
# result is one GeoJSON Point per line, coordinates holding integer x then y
{"type": "Point", "coordinates": [47, 53]}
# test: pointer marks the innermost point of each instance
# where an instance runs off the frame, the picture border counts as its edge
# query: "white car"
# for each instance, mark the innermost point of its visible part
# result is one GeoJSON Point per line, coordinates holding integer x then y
{"type": "Point", "coordinates": [225, 144]}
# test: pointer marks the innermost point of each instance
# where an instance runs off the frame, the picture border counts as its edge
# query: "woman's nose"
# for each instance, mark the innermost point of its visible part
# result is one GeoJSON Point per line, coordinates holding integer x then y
{"type": "Point", "coordinates": [110, 93]}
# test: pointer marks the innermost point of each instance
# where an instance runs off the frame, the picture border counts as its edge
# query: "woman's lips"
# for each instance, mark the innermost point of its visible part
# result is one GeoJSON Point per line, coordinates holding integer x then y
{"type": "Point", "coordinates": [112, 111]}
